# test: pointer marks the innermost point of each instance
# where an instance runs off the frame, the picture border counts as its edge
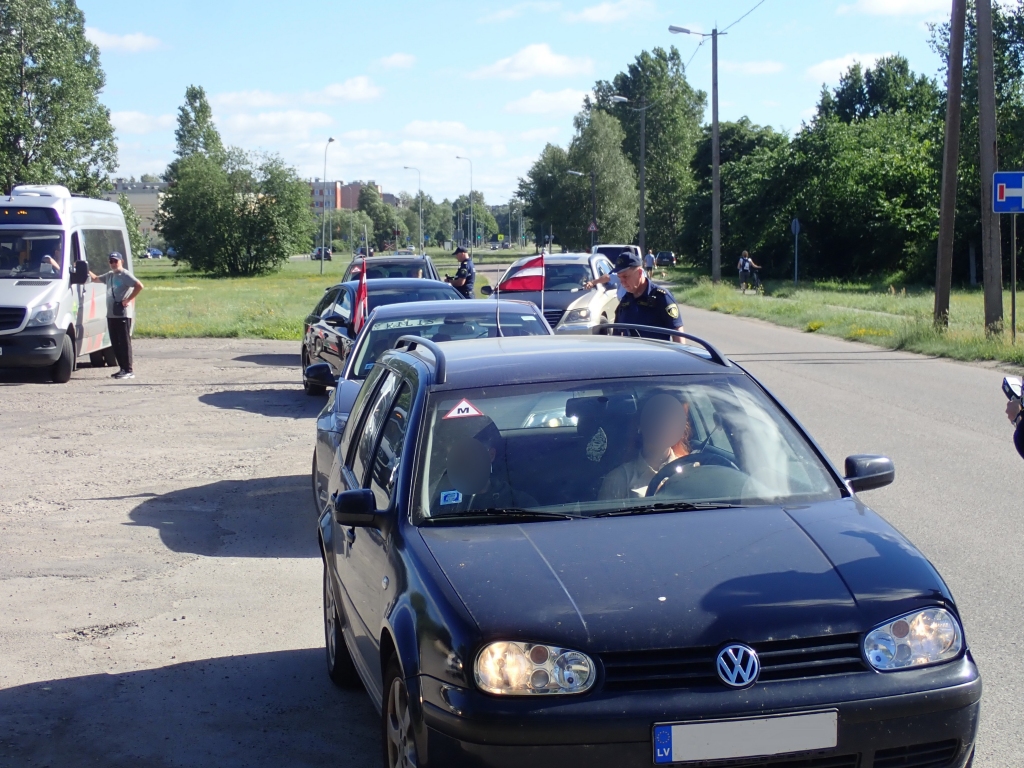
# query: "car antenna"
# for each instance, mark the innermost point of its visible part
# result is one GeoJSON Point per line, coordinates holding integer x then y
{"type": "Point", "coordinates": [497, 306]}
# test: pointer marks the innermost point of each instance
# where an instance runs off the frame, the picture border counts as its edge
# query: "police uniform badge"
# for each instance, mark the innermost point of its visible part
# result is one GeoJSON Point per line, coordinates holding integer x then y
{"type": "Point", "coordinates": [672, 310]}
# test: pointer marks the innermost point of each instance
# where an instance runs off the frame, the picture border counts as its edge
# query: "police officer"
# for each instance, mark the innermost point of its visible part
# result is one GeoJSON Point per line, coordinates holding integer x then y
{"type": "Point", "coordinates": [644, 303]}
{"type": "Point", "coordinates": [466, 275]}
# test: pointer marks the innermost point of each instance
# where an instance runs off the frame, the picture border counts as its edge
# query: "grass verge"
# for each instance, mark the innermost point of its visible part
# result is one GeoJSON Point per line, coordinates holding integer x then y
{"type": "Point", "coordinates": [178, 303]}
{"type": "Point", "coordinates": [886, 316]}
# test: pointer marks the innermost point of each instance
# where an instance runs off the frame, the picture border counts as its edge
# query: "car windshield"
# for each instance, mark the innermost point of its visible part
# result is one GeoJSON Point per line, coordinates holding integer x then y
{"type": "Point", "coordinates": [440, 327]}
{"type": "Point", "coordinates": [620, 446]}
{"type": "Point", "coordinates": [429, 292]}
{"type": "Point", "coordinates": [376, 271]}
{"type": "Point", "coordinates": [31, 254]}
{"type": "Point", "coordinates": [560, 277]}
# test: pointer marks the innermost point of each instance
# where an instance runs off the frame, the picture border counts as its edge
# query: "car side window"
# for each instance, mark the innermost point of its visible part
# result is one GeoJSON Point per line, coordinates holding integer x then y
{"type": "Point", "coordinates": [326, 300]}
{"type": "Point", "coordinates": [370, 429]}
{"type": "Point", "coordinates": [601, 267]}
{"type": "Point", "coordinates": [388, 456]}
{"type": "Point", "coordinates": [343, 305]}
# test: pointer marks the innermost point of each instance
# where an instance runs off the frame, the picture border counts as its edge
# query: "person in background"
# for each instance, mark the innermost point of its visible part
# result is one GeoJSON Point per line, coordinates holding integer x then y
{"type": "Point", "coordinates": [649, 263]}
{"type": "Point", "coordinates": [465, 277]}
{"type": "Point", "coordinates": [122, 288]}
{"type": "Point", "coordinates": [746, 266]}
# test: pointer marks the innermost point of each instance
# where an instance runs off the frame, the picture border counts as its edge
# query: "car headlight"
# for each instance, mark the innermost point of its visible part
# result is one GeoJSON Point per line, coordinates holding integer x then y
{"type": "Point", "coordinates": [44, 314]}
{"type": "Point", "coordinates": [522, 669]}
{"type": "Point", "coordinates": [915, 639]}
{"type": "Point", "coordinates": [576, 315]}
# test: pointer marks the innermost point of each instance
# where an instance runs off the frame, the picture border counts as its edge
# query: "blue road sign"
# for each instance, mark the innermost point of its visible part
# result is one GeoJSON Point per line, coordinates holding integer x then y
{"type": "Point", "coordinates": [1008, 192]}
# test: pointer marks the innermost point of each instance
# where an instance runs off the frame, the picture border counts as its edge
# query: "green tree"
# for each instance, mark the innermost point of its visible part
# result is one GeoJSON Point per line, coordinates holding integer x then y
{"type": "Point", "coordinates": [196, 132]}
{"type": "Point", "coordinates": [53, 127]}
{"type": "Point", "coordinates": [384, 217]}
{"type": "Point", "coordinates": [348, 227]}
{"type": "Point", "coordinates": [132, 222]}
{"type": "Point", "coordinates": [886, 88]}
{"type": "Point", "coordinates": [673, 129]}
{"type": "Point", "coordinates": [148, 177]}
{"type": "Point", "coordinates": [543, 193]}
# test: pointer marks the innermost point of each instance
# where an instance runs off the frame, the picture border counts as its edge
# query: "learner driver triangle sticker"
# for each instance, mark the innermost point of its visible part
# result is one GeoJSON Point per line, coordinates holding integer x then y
{"type": "Point", "coordinates": [463, 410]}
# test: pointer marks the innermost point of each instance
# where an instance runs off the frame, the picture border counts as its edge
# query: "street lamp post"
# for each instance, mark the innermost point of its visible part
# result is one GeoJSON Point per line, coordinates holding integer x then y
{"type": "Point", "coordinates": [472, 232]}
{"type": "Point", "coordinates": [642, 109]}
{"type": "Point", "coordinates": [419, 194]}
{"type": "Point", "coordinates": [593, 205]}
{"type": "Point", "coordinates": [323, 227]}
{"type": "Point", "coordinates": [716, 181]}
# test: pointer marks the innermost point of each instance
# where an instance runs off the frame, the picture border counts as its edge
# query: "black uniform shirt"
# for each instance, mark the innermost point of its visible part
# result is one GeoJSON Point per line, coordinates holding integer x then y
{"type": "Point", "coordinates": [655, 307]}
{"type": "Point", "coordinates": [467, 271]}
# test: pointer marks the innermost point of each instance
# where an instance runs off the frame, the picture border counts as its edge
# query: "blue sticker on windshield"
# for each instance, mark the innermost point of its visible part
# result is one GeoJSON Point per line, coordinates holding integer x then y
{"type": "Point", "coordinates": [450, 497]}
{"type": "Point", "coordinates": [368, 366]}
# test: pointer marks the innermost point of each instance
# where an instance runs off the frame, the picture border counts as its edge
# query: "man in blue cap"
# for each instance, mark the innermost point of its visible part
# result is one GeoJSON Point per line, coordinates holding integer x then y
{"type": "Point", "coordinates": [645, 303]}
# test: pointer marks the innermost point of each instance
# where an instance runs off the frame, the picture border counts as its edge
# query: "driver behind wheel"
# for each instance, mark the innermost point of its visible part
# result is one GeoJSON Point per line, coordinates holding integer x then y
{"type": "Point", "coordinates": [665, 437]}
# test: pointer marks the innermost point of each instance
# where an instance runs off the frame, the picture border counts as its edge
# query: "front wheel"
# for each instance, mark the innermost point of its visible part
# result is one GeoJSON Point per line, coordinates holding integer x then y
{"type": "Point", "coordinates": [399, 736]}
{"type": "Point", "coordinates": [110, 357]}
{"type": "Point", "coordinates": [65, 365]}
{"type": "Point", "coordinates": [97, 360]}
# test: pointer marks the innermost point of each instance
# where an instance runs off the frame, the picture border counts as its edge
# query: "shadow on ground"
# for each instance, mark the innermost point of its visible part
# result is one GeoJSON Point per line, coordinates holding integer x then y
{"type": "Point", "coordinates": [280, 403]}
{"type": "Point", "coordinates": [264, 517]}
{"type": "Point", "coordinates": [283, 360]}
{"type": "Point", "coordinates": [268, 709]}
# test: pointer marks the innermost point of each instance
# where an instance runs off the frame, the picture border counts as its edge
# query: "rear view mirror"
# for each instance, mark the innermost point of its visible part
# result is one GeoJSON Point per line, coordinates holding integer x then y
{"type": "Point", "coordinates": [80, 273]}
{"type": "Point", "coordinates": [321, 375]}
{"type": "Point", "coordinates": [486, 290]}
{"type": "Point", "coordinates": [334, 320]}
{"type": "Point", "coordinates": [865, 473]}
{"type": "Point", "coordinates": [355, 508]}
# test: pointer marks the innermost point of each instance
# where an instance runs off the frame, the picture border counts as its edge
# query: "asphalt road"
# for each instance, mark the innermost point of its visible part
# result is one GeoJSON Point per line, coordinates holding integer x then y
{"type": "Point", "coordinates": [959, 484]}
{"type": "Point", "coordinates": [160, 584]}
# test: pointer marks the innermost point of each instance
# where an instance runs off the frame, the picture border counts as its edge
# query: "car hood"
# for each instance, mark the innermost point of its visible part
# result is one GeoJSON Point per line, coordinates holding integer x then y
{"type": "Point", "coordinates": [28, 291]}
{"type": "Point", "coordinates": [686, 579]}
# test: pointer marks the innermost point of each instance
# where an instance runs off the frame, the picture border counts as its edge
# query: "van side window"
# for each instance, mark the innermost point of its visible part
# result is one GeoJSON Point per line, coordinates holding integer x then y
{"type": "Point", "coordinates": [99, 244]}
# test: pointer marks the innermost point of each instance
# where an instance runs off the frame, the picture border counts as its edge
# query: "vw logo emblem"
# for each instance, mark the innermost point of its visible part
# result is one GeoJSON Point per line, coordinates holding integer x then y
{"type": "Point", "coordinates": [738, 665]}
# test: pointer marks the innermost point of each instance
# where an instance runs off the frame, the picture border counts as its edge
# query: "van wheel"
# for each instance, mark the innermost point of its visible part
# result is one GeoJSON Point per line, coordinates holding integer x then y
{"type": "Point", "coordinates": [339, 663]}
{"type": "Point", "coordinates": [61, 370]}
{"type": "Point", "coordinates": [399, 736]}
{"type": "Point", "coordinates": [96, 359]}
{"type": "Point", "coordinates": [110, 357]}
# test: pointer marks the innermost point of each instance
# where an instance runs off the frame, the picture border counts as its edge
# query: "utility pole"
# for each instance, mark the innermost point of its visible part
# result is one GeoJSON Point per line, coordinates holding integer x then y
{"type": "Point", "coordinates": [716, 181]}
{"type": "Point", "coordinates": [950, 163]}
{"type": "Point", "coordinates": [990, 245]}
{"type": "Point", "coordinates": [472, 231]}
{"type": "Point", "coordinates": [643, 174]}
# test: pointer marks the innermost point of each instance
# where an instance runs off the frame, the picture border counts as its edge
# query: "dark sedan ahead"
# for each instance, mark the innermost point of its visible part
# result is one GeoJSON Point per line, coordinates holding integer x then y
{"type": "Point", "coordinates": [328, 334]}
{"type": "Point", "coordinates": [618, 553]}
{"type": "Point", "coordinates": [437, 321]}
{"type": "Point", "coordinates": [392, 266]}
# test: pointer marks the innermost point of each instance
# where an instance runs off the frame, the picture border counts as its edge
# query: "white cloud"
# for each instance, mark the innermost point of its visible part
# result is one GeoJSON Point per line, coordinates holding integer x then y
{"type": "Point", "coordinates": [360, 88]}
{"type": "Point", "coordinates": [140, 123]}
{"type": "Point", "coordinates": [541, 134]}
{"type": "Point", "coordinates": [830, 70]}
{"type": "Point", "coordinates": [272, 128]}
{"type": "Point", "coordinates": [131, 43]}
{"type": "Point", "coordinates": [450, 131]}
{"type": "Point", "coordinates": [515, 11]}
{"type": "Point", "coordinates": [896, 7]}
{"type": "Point", "coordinates": [752, 67]}
{"type": "Point", "coordinates": [536, 60]}
{"type": "Point", "coordinates": [612, 12]}
{"type": "Point", "coordinates": [397, 61]}
{"type": "Point", "coordinates": [565, 102]}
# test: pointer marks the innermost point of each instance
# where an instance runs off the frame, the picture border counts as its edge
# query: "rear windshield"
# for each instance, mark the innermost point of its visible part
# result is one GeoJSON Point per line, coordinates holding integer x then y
{"type": "Point", "coordinates": [403, 269]}
{"type": "Point", "coordinates": [31, 254]}
{"type": "Point", "coordinates": [430, 291]}
{"type": "Point", "coordinates": [559, 277]}
{"type": "Point", "coordinates": [616, 446]}
{"type": "Point", "coordinates": [384, 333]}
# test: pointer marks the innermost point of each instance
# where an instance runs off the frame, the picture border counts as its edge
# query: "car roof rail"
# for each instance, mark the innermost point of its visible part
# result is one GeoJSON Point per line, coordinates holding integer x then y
{"type": "Point", "coordinates": [602, 328]}
{"type": "Point", "coordinates": [411, 342]}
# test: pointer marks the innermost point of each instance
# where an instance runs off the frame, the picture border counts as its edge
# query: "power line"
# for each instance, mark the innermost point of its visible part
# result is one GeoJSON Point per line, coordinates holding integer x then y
{"type": "Point", "coordinates": [687, 65]}
{"type": "Point", "coordinates": [741, 18]}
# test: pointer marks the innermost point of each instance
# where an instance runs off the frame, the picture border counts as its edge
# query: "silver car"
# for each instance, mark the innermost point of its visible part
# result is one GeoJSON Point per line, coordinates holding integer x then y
{"type": "Point", "coordinates": [568, 306]}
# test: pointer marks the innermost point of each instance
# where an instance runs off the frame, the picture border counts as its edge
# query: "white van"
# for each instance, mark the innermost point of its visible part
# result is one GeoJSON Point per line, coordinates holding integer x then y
{"type": "Point", "coordinates": [50, 313]}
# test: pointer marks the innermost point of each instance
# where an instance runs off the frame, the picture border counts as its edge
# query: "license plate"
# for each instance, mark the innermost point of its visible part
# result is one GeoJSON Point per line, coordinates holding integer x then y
{"type": "Point", "coordinates": [750, 737]}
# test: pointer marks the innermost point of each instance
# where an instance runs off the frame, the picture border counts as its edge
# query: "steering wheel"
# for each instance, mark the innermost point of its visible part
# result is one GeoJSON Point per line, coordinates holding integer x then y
{"type": "Point", "coordinates": [704, 459]}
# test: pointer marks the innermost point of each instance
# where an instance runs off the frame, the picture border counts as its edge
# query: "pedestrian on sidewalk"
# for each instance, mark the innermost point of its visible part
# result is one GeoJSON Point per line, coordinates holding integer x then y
{"type": "Point", "coordinates": [122, 288]}
{"type": "Point", "coordinates": [649, 263]}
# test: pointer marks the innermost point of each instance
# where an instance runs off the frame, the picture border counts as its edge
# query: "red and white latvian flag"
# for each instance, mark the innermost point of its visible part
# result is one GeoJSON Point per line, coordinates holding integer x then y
{"type": "Point", "coordinates": [362, 308]}
{"type": "Point", "coordinates": [530, 277]}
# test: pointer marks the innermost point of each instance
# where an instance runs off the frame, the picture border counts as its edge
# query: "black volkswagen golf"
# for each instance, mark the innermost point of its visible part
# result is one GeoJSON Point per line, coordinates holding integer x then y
{"type": "Point", "coordinates": [605, 551]}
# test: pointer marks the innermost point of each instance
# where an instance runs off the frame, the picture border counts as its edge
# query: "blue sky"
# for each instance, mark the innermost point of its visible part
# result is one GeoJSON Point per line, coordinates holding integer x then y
{"type": "Point", "coordinates": [415, 83]}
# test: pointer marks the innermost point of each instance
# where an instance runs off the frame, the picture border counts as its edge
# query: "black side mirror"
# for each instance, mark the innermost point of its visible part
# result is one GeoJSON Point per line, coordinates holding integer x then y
{"type": "Point", "coordinates": [320, 374]}
{"type": "Point", "coordinates": [865, 473]}
{"type": "Point", "coordinates": [80, 273]}
{"type": "Point", "coordinates": [486, 290]}
{"type": "Point", "coordinates": [355, 508]}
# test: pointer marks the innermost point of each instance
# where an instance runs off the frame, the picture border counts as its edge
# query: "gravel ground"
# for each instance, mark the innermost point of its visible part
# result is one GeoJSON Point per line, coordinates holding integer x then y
{"type": "Point", "coordinates": [159, 574]}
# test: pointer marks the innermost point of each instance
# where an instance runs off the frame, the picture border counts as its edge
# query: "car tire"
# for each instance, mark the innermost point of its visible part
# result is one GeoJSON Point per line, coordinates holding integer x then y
{"type": "Point", "coordinates": [110, 357]}
{"type": "Point", "coordinates": [97, 360]}
{"type": "Point", "coordinates": [397, 733]}
{"type": "Point", "coordinates": [61, 371]}
{"type": "Point", "coordinates": [340, 668]}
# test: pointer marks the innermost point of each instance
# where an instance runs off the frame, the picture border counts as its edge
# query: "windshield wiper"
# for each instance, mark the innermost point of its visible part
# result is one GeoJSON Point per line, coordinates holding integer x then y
{"type": "Point", "coordinates": [667, 506]}
{"type": "Point", "coordinates": [509, 513]}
